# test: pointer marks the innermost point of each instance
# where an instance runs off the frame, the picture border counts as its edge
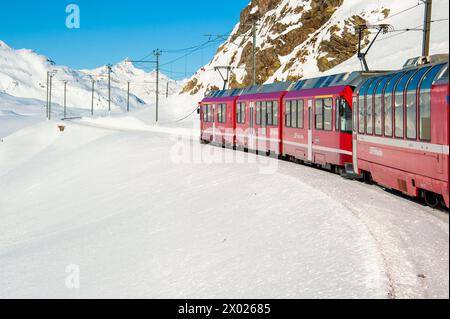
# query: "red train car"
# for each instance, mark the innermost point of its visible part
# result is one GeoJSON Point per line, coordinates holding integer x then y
{"type": "Point", "coordinates": [218, 117]}
{"type": "Point", "coordinates": [258, 114]}
{"type": "Point", "coordinates": [317, 124]}
{"type": "Point", "coordinates": [401, 132]}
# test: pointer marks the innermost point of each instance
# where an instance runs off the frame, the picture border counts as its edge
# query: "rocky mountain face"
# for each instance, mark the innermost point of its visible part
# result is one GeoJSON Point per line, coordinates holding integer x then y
{"type": "Point", "coordinates": [295, 38]}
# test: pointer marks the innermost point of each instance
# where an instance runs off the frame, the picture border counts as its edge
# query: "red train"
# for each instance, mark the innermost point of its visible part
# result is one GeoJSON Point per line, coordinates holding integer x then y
{"type": "Point", "coordinates": [391, 128]}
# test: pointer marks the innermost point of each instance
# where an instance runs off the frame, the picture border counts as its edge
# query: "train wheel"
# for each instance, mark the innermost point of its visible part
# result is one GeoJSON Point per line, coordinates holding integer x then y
{"type": "Point", "coordinates": [368, 178]}
{"type": "Point", "coordinates": [431, 199]}
{"type": "Point", "coordinates": [443, 204]}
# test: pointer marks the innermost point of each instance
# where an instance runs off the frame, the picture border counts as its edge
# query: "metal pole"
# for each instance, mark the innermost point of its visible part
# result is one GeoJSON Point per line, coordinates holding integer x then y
{"type": "Point", "coordinates": [48, 90]}
{"type": "Point", "coordinates": [50, 99]}
{"type": "Point", "coordinates": [65, 99]}
{"type": "Point", "coordinates": [92, 103]}
{"type": "Point", "coordinates": [128, 98]}
{"type": "Point", "coordinates": [167, 89]}
{"type": "Point", "coordinates": [427, 28]}
{"type": "Point", "coordinates": [254, 53]}
{"type": "Point", "coordinates": [157, 54]}
{"type": "Point", "coordinates": [109, 87]}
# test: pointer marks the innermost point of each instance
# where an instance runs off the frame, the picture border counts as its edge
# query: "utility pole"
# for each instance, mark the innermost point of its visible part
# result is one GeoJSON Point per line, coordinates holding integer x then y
{"type": "Point", "coordinates": [109, 66]}
{"type": "Point", "coordinates": [92, 102]}
{"type": "Point", "coordinates": [50, 75]}
{"type": "Point", "coordinates": [128, 98]}
{"type": "Point", "coordinates": [167, 90]}
{"type": "Point", "coordinates": [65, 99]}
{"type": "Point", "coordinates": [427, 28]}
{"type": "Point", "coordinates": [50, 98]}
{"type": "Point", "coordinates": [157, 53]}
{"type": "Point", "coordinates": [254, 52]}
{"type": "Point", "coordinates": [48, 84]}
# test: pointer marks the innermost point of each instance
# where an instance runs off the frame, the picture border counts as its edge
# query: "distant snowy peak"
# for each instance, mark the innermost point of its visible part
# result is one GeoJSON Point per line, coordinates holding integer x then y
{"type": "Point", "coordinates": [305, 38]}
{"type": "Point", "coordinates": [4, 46]}
{"type": "Point", "coordinates": [23, 74]}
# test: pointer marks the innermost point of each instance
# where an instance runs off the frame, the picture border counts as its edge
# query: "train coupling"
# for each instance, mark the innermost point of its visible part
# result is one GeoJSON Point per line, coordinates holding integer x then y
{"type": "Point", "coordinates": [349, 173]}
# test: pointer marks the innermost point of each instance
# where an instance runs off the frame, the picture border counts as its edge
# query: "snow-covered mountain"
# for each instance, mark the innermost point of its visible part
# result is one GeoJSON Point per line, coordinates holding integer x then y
{"type": "Point", "coordinates": [142, 84]}
{"type": "Point", "coordinates": [305, 38]}
{"type": "Point", "coordinates": [23, 74]}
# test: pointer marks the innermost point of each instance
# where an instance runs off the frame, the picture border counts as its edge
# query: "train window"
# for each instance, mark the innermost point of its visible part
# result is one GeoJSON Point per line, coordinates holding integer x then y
{"type": "Point", "coordinates": [319, 114]}
{"type": "Point", "coordinates": [399, 107]}
{"type": "Point", "coordinates": [272, 113]}
{"type": "Point", "coordinates": [370, 103]}
{"type": "Point", "coordinates": [345, 116]}
{"type": "Point", "coordinates": [388, 114]}
{"type": "Point", "coordinates": [258, 113]}
{"type": "Point", "coordinates": [240, 113]}
{"type": "Point", "coordinates": [269, 106]}
{"type": "Point", "coordinates": [411, 103]}
{"type": "Point", "coordinates": [263, 114]}
{"type": "Point", "coordinates": [211, 113]}
{"type": "Point", "coordinates": [378, 114]}
{"type": "Point", "coordinates": [204, 113]}
{"type": "Point", "coordinates": [369, 115]}
{"type": "Point", "coordinates": [355, 116]}
{"type": "Point", "coordinates": [338, 114]}
{"type": "Point", "coordinates": [288, 114]}
{"type": "Point", "coordinates": [276, 109]}
{"type": "Point", "coordinates": [221, 113]}
{"type": "Point", "coordinates": [425, 115]}
{"type": "Point", "coordinates": [425, 100]}
{"type": "Point", "coordinates": [361, 109]}
{"type": "Point", "coordinates": [411, 115]}
{"type": "Point", "coordinates": [207, 112]}
{"type": "Point", "coordinates": [328, 114]}
{"type": "Point", "coordinates": [294, 114]}
{"type": "Point", "coordinates": [399, 115]}
{"type": "Point", "coordinates": [388, 105]}
{"type": "Point", "coordinates": [301, 113]}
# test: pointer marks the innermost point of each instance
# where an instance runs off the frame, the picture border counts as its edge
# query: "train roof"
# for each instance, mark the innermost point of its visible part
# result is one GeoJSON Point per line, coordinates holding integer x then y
{"type": "Point", "coordinates": [335, 80]}
{"type": "Point", "coordinates": [267, 88]}
{"type": "Point", "coordinates": [356, 79]}
{"type": "Point", "coordinates": [411, 75]}
{"type": "Point", "coordinates": [223, 93]}
{"type": "Point", "coordinates": [340, 79]}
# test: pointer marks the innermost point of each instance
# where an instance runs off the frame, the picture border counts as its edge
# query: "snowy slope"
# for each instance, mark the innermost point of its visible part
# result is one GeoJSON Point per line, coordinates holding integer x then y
{"type": "Point", "coordinates": [23, 74]}
{"type": "Point", "coordinates": [141, 227]}
{"type": "Point", "coordinates": [146, 214]}
{"type": "Point", "coordinates": [304, 38]}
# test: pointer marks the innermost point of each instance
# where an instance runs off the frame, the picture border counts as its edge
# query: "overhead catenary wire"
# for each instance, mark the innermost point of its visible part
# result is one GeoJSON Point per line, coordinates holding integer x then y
{"type": "Point", "coordinates": [401, 12]}
{"type": "Point", "coordinates": [403, 31]}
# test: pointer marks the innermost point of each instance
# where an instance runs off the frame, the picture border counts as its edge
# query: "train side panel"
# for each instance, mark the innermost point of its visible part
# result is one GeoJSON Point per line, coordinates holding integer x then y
{"type": "Point", "coordinates": [411, 153]}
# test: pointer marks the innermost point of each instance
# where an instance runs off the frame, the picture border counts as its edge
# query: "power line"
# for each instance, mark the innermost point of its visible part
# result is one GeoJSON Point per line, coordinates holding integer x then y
{"type": "Point", "coordinates": [214, 42]}
{"type": "Point", "coordinates": [401, 12]}
{"type": "Point", "coordinates": [416, 28]}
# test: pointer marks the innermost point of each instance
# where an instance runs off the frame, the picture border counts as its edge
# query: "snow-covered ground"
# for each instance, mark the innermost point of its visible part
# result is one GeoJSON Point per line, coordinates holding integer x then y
{"type": "Point", "coordinates": [147, 212]}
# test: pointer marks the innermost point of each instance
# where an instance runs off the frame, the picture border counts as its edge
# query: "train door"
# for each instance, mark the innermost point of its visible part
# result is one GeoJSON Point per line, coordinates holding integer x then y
{"type": "Point", "coordinates": [355, 134]}
{"type": "Point", "coordinates": [251, 130]}
{"type": "Point", "coordinates": [310, 133]}
{"type": "Point", "coordinates": [214, 122]}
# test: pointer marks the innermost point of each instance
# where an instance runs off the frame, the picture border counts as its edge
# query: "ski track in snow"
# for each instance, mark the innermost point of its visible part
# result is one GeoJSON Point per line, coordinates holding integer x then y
{"type": "Point", "coordinates": [106, 195]}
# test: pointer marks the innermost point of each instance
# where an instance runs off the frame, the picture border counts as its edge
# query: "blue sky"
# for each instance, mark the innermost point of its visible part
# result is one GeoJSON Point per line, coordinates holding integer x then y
{"type": "Point", "coordinates": [114, 30]}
